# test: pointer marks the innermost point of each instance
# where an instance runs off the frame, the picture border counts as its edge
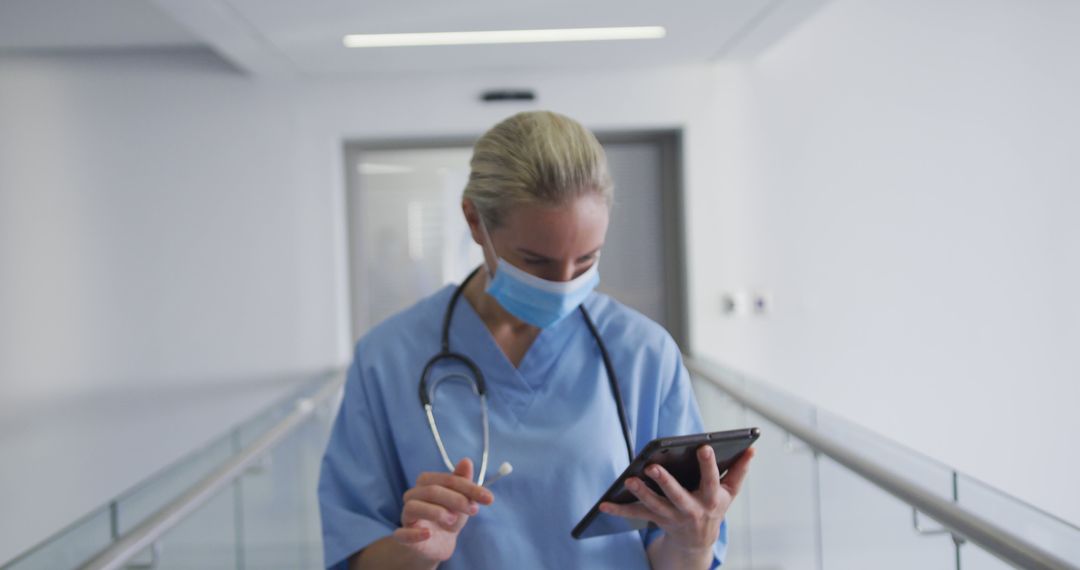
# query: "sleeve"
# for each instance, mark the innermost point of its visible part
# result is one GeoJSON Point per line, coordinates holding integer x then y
{"type": "Point", "coordinates": [359, 493]}
{"type": "Point", "coordinates": [679, 415]}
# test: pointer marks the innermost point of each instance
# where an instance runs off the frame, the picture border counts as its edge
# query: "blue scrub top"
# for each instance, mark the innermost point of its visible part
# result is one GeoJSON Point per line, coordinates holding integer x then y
{"type": "Point", "coordinates": [553, 418]}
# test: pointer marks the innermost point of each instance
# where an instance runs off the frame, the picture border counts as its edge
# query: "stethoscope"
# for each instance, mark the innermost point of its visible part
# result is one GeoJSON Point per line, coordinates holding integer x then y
{"type": "Point", "coordinates": [480, 388]}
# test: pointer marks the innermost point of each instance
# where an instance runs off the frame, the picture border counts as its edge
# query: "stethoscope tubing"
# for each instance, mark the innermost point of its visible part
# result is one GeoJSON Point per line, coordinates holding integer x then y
{"type": "Point", "coordinates": [479, 386]}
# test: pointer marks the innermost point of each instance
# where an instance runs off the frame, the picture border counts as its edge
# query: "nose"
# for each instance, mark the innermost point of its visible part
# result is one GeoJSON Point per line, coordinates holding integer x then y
{"type": "Point", "coordinates": [566, 271]}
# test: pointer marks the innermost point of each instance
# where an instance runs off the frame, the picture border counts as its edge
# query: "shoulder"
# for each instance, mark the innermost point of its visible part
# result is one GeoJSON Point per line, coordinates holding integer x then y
{"type": "Point", "coordinates": [640, 348]}
{"type": "Point", "coordinates": [628, 328]}
{"type": "Point", "coordinates": [412, 329]}
{"type": "Point", "coordinates": [650, 370]}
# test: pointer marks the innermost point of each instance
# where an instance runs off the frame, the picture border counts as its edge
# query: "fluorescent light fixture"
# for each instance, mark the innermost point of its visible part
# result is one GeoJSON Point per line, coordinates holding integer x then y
{"type": "Point", "coordinates": [376, 168]}
{"type": "Point", "coordinates": [504, 37]}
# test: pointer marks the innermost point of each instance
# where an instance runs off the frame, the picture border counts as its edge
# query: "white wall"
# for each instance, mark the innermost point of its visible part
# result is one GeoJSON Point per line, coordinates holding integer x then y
{"type": "Point", "coordinates": [161, 268]}
{"type": "Point", "coordinates": [154, 228]}
{"type": "Point", "coordinates": [901, 178]}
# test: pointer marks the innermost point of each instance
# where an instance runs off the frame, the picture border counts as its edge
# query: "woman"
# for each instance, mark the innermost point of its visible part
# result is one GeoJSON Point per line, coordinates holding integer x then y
{"type": "Point", "coordinates": [562, 412]}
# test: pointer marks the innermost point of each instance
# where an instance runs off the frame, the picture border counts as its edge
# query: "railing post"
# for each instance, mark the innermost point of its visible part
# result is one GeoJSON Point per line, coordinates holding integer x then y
{"type": "Point", "coordinates": [114, 521]}
{"type": "Point", "coordinates": [819, 523]}
{"type": "Point", "coordinates": [238, 507]}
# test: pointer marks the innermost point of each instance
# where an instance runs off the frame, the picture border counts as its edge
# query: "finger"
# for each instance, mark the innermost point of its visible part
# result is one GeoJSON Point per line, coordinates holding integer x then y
{"type": "Point", "coordinates": [655, 503]}
{"type": "Point", "coordinates": [464, 469]}
{"type": "Point", "coordinates": [733, 480]}
{"type": "Point", "coordinates": [420, 510]}
{"type": "Point", "coordinates": [460, 484]}
{"type": "Point", "coordinates": [449, 499]}
{"type": "Point", "coordinates": [675, 492]}
{"type": "Point", "coordinates": [710, 473]}
{"type": "Point", "coordinates": [411, 535]}
{"type": "Point", "coordinates": [631, 511]}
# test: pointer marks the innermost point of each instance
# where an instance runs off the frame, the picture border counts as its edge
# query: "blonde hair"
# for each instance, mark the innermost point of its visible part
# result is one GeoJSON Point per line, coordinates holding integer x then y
{"type": "Point", "coordinates": [535, 157]}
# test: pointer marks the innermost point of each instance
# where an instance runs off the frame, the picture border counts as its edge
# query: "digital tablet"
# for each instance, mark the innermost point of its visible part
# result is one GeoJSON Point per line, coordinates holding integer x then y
{"type": "Point", "coordinates": [676, 454]}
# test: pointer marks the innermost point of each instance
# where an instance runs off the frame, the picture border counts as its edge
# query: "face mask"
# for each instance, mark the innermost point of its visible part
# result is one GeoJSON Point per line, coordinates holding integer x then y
{"type": "Point", "coordinates": [537, 301]}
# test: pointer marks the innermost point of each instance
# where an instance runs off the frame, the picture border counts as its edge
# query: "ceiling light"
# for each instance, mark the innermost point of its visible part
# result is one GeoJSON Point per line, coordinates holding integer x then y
{"type": "Point", "coordinates": [504, 37]}
{"type": "Point", "coordinates": [377, 168]}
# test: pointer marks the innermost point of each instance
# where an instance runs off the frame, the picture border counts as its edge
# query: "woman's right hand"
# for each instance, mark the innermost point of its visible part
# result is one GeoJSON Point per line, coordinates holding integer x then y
{"type": "Point", "coordinates": [436, 510]}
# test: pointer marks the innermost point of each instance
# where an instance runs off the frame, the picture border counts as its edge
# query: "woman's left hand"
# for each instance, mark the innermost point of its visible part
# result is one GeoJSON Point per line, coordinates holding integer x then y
{"type": "Point", "coordinates": [690, 520]}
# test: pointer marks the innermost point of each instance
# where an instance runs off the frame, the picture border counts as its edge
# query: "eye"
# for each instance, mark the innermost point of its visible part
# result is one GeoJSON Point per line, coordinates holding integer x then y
{"type": "Point", "coordinates": [590, 257]}
{"type": "Point", "coordinates": [534, 261]}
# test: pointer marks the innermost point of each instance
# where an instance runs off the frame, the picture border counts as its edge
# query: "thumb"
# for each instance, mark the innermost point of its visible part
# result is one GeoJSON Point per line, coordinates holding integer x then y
{"type": "Point", "coordinates": [734, 478]}
{"type": "Point", "coordinates": [464, 469]}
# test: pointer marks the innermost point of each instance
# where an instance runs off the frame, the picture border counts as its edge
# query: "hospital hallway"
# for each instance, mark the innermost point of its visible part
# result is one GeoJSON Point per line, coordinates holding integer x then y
{"type": "Point", "coordinates": [853, 223]}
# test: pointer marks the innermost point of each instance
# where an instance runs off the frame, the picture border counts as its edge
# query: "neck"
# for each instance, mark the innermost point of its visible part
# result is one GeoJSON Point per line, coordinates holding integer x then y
{"type": "Point", "coordinates": [495, 317]}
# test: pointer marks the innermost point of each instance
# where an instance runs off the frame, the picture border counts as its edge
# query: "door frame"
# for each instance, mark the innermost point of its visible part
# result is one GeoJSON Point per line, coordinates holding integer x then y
{"type": "Point", "coordinates": [668, 141]}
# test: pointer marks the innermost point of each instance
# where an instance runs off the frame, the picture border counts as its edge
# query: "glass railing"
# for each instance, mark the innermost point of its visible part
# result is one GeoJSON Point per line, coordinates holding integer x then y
{"type": "Point", "coordinates": [801, 509]}
{"type": "Point", "coordinates": [267, 518]}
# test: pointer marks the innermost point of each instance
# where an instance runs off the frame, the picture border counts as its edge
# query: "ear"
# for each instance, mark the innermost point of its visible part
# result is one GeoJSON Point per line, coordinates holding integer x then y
{"type": "Point", "coordinates": [472, 217]}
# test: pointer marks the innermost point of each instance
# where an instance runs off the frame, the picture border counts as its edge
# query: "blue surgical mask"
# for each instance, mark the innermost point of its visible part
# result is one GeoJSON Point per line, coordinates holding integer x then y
{"type": "Point", "coordinates": [537, 301]}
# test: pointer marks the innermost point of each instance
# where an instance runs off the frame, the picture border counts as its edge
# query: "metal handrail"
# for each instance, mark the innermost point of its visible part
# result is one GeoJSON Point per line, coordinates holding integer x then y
{"type": "Point", "coordinates": [148, 532]}
{"type": "Point", "coordinates": [959, 521]}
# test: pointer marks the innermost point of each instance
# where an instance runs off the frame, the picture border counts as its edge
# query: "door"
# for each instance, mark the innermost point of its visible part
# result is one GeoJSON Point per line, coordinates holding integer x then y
{"type": "Point", "coordinates": [408, 236]}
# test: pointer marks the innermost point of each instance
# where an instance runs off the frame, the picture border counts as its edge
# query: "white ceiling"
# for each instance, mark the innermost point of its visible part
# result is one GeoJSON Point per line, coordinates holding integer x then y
{"type": "Point", "coordinates": [88, 24]}
{"type": "Point", "coordinates": [309, 34]}
{"type": "Point", "coordinates": [290, 37]}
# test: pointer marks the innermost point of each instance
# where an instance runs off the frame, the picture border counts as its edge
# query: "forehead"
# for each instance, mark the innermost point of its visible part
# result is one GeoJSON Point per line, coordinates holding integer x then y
{"type": "Point", "coordinates": [564, 231]}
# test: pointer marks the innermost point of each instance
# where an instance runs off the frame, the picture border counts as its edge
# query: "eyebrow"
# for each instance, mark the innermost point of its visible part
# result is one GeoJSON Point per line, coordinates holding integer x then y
{"type": "Point", "coordinates": [531, 253]}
